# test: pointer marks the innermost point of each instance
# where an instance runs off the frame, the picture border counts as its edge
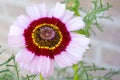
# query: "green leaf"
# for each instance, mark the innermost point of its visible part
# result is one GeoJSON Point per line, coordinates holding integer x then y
{"type": "Point", "coordinates": [7, 61]}
{"type": "Point", "coordinates": [91, 17]}
{"type": "Point", "coordinates": [81, 31]}
{"type": "Point", "coordinates": [3, 71]}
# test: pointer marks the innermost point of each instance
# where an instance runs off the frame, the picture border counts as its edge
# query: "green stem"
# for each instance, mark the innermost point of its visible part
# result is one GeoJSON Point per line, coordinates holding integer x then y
{"type": "Point", "coordinates": [76, 76]}
{"type": "Point", "coordinates": [16, 68]}
{"type": "Point", "coordinates": [83, 72]}
{"type": "Point", "coordinates": [41, 78]}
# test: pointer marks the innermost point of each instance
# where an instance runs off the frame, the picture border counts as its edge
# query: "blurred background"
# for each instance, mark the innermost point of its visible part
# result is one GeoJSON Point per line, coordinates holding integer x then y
{"type": "Point", "coordinates": [105, 46]}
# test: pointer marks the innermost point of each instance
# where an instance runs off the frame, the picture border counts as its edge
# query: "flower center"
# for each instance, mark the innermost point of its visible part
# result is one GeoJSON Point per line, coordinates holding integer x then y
{"type": "Point", "coordinates": [46, 33]}
{"type": "Point", "coordinates": [47, 36]}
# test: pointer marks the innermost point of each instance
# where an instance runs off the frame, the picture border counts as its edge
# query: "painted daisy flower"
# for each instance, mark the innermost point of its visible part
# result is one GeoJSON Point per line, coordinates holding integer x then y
{"type": "Point", "coordinates": [48, 36]}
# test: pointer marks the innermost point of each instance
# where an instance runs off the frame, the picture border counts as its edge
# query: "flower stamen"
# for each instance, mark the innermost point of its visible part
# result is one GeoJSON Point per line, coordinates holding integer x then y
{"type": "Point", "coordinates": [47, 36]}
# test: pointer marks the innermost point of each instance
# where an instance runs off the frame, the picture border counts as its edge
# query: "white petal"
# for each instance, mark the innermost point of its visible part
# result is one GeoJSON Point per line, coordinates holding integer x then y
{"type": "Point", "coordinates": [67, 16]}
{"type": "Point", "coordinates": [50, 72]}
{"type": "Point", "coordinates": [40, 64]}
{"type": "Point", "coordinates": [44, 65]}
{"type": "Point", "coordinates": [60, 61]}
{"type": "Point", "coordinates": [75, 50]}
{"type": "Point", "coordinates": [15, 30]}
{"type": "Point", "coordinates": [65, 59]}
{"type": "Point", "coordinates": [23, 21]}
{"type": "Point", "coordinates": [43, 11]}
{"type": "Point", "coordinates": [49, 13]}
{"type": "Point", "coordinates": [16, 40]}
{"type": "Point", "coordinates": [33, 12]}
{"type": "Point", "coordinates": [59, 10]}
{"type": "Point", "coordinates": [24, 57]}
{"type": "Point", "coordinates": [75, 24]}
{"type": "Point", "coordinates": [80, 39]}
{"type": "Point", "coordinates": [70, 58]}
{"type": "Point", "coordinates": [33, 65]}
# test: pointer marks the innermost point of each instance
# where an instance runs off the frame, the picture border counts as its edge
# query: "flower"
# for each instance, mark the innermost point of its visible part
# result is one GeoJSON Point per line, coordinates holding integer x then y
{"type": "Point", "coordinates": [47, 36]}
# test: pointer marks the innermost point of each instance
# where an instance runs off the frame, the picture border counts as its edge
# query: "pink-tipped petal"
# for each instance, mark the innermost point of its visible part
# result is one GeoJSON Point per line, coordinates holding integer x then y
{"type": "Point", "coordinates": [67, 16]}
{"type": "Point", "coordinates": [16, 40]}
{"type": "Point", "coordinates": [75, 24]}
{"type": "Point", "coordinates": [59, 10]}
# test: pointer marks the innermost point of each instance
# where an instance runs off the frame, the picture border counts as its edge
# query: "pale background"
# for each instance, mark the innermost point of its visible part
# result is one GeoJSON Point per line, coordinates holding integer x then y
{"type": "Point", "coordinates": [105, 50]}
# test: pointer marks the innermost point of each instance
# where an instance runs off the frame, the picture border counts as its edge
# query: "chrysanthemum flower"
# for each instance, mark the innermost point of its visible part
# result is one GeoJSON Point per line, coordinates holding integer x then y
{"type": "Point", "coordinates": [48, 36]}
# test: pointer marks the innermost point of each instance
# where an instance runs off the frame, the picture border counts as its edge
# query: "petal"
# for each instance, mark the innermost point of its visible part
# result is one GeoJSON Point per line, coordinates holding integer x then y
{"type": "Point", "coordinates": [78, 45]}
{"type": "Point", "coordinates": [23, 21]}
{"type": "Point", "coordinates": [43, 11]}
{"type": "Point", "coordinates": [32, 66]}
{"type": "Point", "coordinates": [70, 58]}
{"type": "Point", "coordinates": [45, 66]}
{"type": "Point", "coordinates": [75, 50]}
{"type": "Point", "coordinates": [65, 59]}
{"type": "Point", "coordinates": [24, 57]}
{"type": "Point", "coordinates": [51, 70]}
{"type": "Point", "coordinates": [49, 13]}
{"type": "Point", "coordinates": [36, 11]}
{"type": "Point", "coordinates": [15, 30]}
{"type": "Point", "coordinates": [60, 61]}
{"type": "Point", "coordinates": [33, 12]}
{"type": "Point", "coordinates": [35, 64]}
{"type": "Point", "coordinates": [67, 16]}
{"type": "Point", "coordinates": [59, 10]}
{"type": "Point", "coordinates": [75, 24]}
{"type": "Point", "coordinates": [80, 39]}
{"type": "Point", "coordinates": [40, 60]}
{"type": "Point", "coordinates": [67, 62]}
{"type": "Point", "coordinates": [16, 40]}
